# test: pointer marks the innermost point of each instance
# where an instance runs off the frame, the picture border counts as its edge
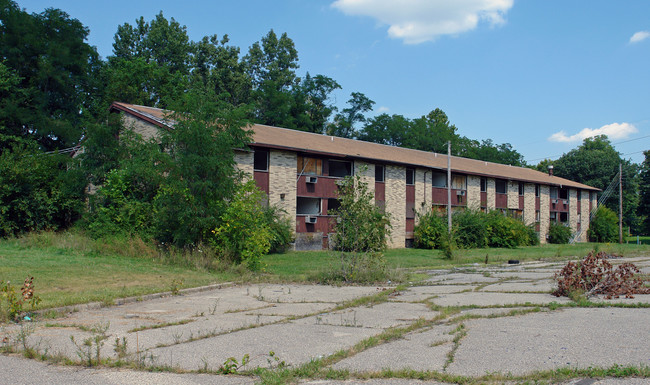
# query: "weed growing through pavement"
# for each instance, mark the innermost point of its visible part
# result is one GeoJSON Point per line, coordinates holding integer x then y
{"type": "Point", "coordinates": [213, 308]}
{"type": "Point", "coordinates": [176, 285]}
{"type": "Point", "coordinates": [91, 347]}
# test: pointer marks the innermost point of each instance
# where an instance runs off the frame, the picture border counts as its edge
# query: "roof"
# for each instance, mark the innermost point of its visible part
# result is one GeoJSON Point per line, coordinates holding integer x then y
{"type": "Point", "coordinates": [307, 142]}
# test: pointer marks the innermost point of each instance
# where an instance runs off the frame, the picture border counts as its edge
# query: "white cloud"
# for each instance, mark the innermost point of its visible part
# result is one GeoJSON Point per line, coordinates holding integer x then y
{"type": "Point", "coordinates": [383, 109]}
{"type": "Point", "coordinates": [613, 131]}
{"type": "Point", "coordinates": [639, 36]}
{"type": "Point", "coordinates": [417, 21]}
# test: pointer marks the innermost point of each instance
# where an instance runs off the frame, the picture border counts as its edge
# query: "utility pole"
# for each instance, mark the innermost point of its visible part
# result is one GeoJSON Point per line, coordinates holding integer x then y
{"type": "Point", "coordinates": [620, 203]}
{"type": "Point", "coordinates": [449, 186]}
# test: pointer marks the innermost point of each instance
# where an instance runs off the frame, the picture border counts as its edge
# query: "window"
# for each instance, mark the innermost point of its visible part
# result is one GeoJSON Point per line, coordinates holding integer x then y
{"type": "Point", "coordinates": [554, 192]}
{"type": "Point", "coordinates": [310, 166]}
{"type": "Point", "coordinates": [380, 173]}
{"type": "Point", "coordinates": [553, 216]}
{"type": "Point", "coordinates": [483, 185]}
{"type": "Point", "coordinates": [439, 179]}
{"type": "Point", "coordinates": [537, 190]}
{"type": "Point", "coordinates": [563, 193]}
{"type": "Point", "coordinates": [459, 182]}
{"type": "Point", "coordinates": [339, 168]}
{"type": "Point", "coordinates": [410, 176]}
{"type": "Point", "coordinates": [307, 206]}
{"type": "Point", "coordinates": [261, 160]}
{"type": "Point", "coordinates": [579, 195]}
{"type": "Point", "coordinates": [332, 204]}
{"type": "Point", "coordinates": [521, 188]}
{"type": "Point", "coordinates": [501, 186]}
{"type": "Point", "coordinates": [537, 215]}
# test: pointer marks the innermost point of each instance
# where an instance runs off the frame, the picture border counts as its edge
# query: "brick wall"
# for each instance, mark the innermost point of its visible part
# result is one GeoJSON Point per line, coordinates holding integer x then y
{"type": "Point", "coordinates": [395, 201]}
{"type": "Point", "coordinates": [529, 203]}
{"type": "Point", "coordinates": [473, 192]}
{"type": "Point", "coordinates": [282, 180]}
{"type": "Point", "coordinates": [584, 216]}
{"type": "Point", "coordinates": [141, 127]}
{"type": "Point", "coordinates": [244, 162]}
{"type": "Point", "coordinates": [491, 194]}
{"type": "Point", "coordinates": [422, 190]}
{"type": "Point", "coordinates": [544, 207]}
{"type": "Point", "coordinates": [573, 210]}
{"type": "Point", "coordinates": [366, 171]}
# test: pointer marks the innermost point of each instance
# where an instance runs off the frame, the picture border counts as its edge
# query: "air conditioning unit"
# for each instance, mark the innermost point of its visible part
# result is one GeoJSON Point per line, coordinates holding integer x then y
{"type": "Point", "coordinates": [460, 193]}
{"type": "Point", "coordinates": [555, 201]}
{"type": "Point", "coordinates": [312, 179]}
{"type": "Point", "coordinates": [566, 202]}
{"type": "Point", "coordinates": [311, 219]}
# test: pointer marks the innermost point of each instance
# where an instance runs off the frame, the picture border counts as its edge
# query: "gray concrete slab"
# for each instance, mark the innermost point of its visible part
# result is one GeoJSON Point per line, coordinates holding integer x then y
{"type": "Point", "coordinates": [578, 337]}
{"type": "Point", "coordinates": [381, 316]}
{"type": "Point", "coordinates": [496, 299]}
{"type": "Point", "coordinates": [545, 286]}
{"type": "Point", "coordinates": [461, 278]}
{"type": "Point", "coordinates": [417, 351]}
{"type": "Point", "coordinates": [292, 343]}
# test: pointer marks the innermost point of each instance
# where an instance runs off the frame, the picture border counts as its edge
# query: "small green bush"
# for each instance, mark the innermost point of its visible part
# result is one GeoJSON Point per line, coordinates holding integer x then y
{"type": "Point", "coordinates": [604, 226]}
{"type": "Point", "coordinates": [559, 233]}
{"type": "Point", "coordinates": [431, 231]}
{"type": "Point", "coordinates": [471, 229]}
{"type": "Point", "coordinates": [280, 228]}
{"type": "Point", "coordinates": [243, 235]}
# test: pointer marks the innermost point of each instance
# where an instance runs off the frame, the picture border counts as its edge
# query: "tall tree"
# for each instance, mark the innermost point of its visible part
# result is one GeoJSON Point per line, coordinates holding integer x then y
{"type": "Point", "coordinates": [53, 64]}
{"type": "Point", "coordinates": [596, 163]}
{"type": "Point", "coordinates": [271, 65]}
{"type": "Point", "coordinates": [217, 66]}
{"type": "Point", "coordinates": [344, 123]}
{"type": "Point", "coordinates": [312, 106]}
{"type": "Point", "coordinates": [644, 193]}
{"type": "Point", "coordinates": [386, 129]}
{"type": "Point", "coordinates": [150, 63]}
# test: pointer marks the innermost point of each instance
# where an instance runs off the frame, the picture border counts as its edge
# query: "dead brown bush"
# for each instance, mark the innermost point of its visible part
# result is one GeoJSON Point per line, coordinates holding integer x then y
{"type": "Point", "coordinates": [595, 275]}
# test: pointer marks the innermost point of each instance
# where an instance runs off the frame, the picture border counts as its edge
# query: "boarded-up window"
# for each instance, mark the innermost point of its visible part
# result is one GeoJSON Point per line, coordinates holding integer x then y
{"type": "Point", "coordinates": [310, 166]}
{"type": "Point", "coordinates": [459, 182]}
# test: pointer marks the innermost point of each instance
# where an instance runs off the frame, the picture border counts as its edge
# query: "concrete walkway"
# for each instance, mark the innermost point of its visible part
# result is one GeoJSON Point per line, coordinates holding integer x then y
{"type": "Point", "coordinates": [469, 321]}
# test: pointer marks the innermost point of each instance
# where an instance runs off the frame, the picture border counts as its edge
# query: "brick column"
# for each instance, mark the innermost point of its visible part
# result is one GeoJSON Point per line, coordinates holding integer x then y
{"type": "Point", "coordinates": [544, 211]}
{"type": "Point", "coordinates": [282, 182]}
{"type": "Point", "coordinates": [529, 203]}
{"type": "Point", "coordinates": [513, 194]}
{"type": "Point", "coordinates": [473, 192]}
{"type": "Point", "coordinates": [395, 201]}
{"type": "Point", "coordinates": [491, 194]}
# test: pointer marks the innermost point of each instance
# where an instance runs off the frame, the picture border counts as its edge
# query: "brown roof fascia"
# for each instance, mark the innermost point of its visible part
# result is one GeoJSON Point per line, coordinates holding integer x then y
{"type": "Point", "coordinates": [119, 106]}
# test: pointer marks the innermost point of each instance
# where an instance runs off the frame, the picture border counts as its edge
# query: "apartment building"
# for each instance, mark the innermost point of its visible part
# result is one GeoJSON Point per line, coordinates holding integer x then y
{"type": "Point", "coordinates": [299, 171]}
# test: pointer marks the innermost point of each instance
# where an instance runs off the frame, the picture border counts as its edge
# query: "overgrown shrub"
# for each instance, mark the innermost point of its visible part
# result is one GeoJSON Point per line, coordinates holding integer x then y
{"type": "Point", "coordinates": [603, 226]}
{"type": "Point", "coordinates": [471, 229]}
{"type": "Point", "coordinates": [559, 233]}
{"type": "Point", "coordinates": [280, 227]}
{"type": "Point", "coordinates": [361, 232]}
{"type": "Point", "coordinates": [12, 304]}
{"type": "Point", "coordinates": [36, 191]}
{"type": "Point", "coordinates": [431, 231]}
{"type": "Point", "coordinates": [360, 225]}
{"type": "Point", "coordinates": [243, 235]}
{"type": "Point", "coordinates": [595, 275]}
{"type": "Point", "coordinates": [115, 211]}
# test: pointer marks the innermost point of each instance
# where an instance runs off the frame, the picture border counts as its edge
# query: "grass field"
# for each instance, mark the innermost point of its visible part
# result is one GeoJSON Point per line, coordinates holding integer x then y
{"type": "Point", "coordinates": [69, 268]}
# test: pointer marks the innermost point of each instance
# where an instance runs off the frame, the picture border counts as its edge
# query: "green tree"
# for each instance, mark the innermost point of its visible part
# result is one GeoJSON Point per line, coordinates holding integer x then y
{"type": "Point", "coordinates": [596, 163]}
{"type": "Point", "coordinates": [604, 226]}
{"type": "Point", "coordinates": [361, 226]}
{"type": "Point", "coordinates": [312, 102]}
{"type": "Point", "coordinates": [216, 65]}
{"type": "Point", "coordinates": [344, 123]}
{"type": "Point", "coordinates": [150, 64]}
{"type": "Point", "coordinates": [386, 129]}
{"type": "Point", "coordinates": [35, 191]}
{"type": "Point", "coordinates": [271, 65]}
{"type": "Point", "coordinates": [644, 193]}
{"type": "Point", "coordinates": [202, 172]}
{"type": "Point", "coordinates": [54, 83]}
{"type": "Point", "coordinates": [487, 150]}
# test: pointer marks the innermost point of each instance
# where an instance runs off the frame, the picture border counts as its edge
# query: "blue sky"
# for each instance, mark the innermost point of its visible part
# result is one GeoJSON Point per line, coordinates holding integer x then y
{"type": "Point", "coordinates": [540, 75]}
